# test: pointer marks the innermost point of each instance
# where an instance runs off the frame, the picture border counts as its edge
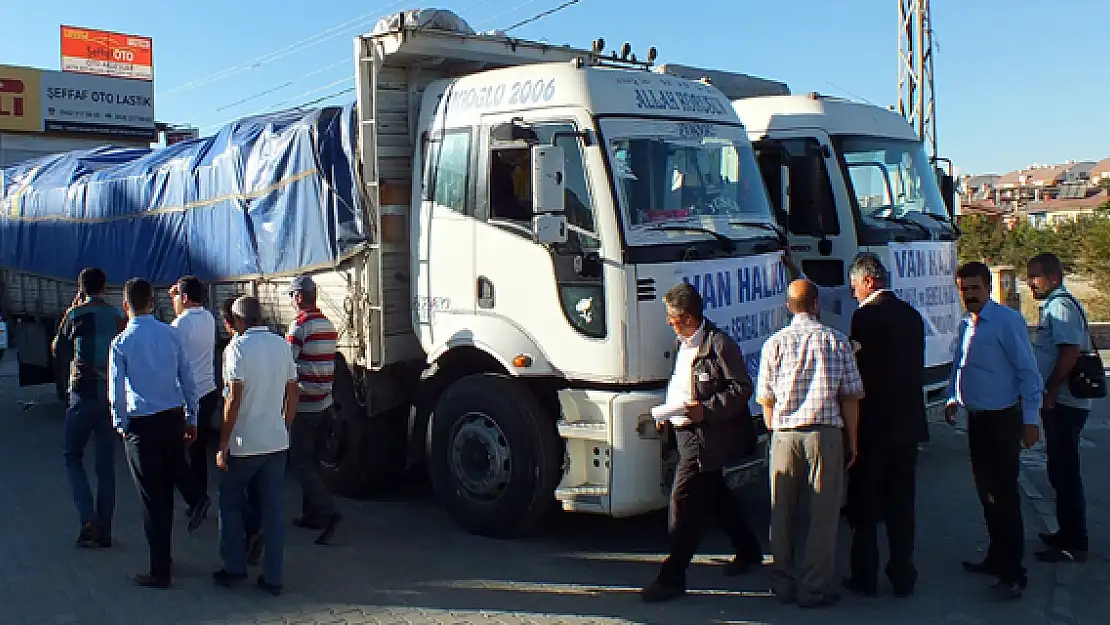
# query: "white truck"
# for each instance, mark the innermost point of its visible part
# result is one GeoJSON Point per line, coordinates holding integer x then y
{"type": "Point", "coordinates": [529, 205]}
{"type": "Point", "coordinates": [846, 177]}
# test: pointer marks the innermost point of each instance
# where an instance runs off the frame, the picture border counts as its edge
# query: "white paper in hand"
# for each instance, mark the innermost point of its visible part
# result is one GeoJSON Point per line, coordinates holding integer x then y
{"type": "Point", "coordinates": [676, 414]}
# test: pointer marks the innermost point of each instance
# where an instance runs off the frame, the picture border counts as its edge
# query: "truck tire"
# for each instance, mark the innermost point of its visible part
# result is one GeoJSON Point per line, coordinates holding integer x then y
{"type": "Point", "coordinates": [495, 456]}
{"type": "Point", "coordinates": [357, 452]}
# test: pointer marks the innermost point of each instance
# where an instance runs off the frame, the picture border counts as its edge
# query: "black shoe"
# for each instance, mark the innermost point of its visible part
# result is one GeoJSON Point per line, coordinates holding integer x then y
{"type": "Point", "coordinates": [1051, 539]}
{"type": "Point", "coordinates": [1007, 590]}
{"type": "Point", "coordinates": [903, 584]}
{"type": "Point", "coordinates": [1054, 553]}
{"type": "Point", "coordinates": [223, 578]}
{"type": "Point", "coordinates": [307, 523]}
{"type": "Point", "coordinates": [103, 540]}
{"type": "Point", "coordinates": [273, 589]}
{"type": "Point", "coordinates": [88, 535]}
{"type": "Point", "coordinates": [146, 580]}
{"type": "Point", "coordinates": [658, 592]}
{"type": "Point", "coordinates": [199, 513]}
{"type": "Point", "coordinates": [861, 587]}
{"type": "Point", "coordinates": [254, 549]}
{"type": "Point", "coordinates": [740, 566]}
{"type": "Point", "coordinates": [329, 529]}
{"type": "Point", "coordinates": [820, 601]}
{"type": "Point", "coordinates": [986, 567]}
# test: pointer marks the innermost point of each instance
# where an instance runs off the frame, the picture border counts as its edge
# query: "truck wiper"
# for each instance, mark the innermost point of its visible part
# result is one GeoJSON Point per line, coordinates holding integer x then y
{"type": "Point", "coordinates": [903, 220]}
{"type": "Point", "coordinates": [726, 243]}
{"type": "Point", "coordinates": [946, 220]}
{"type": "Point", "coordinates": [779, 233]}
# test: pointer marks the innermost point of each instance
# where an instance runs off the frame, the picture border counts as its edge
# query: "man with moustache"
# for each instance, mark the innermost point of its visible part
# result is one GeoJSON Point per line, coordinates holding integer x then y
{"type": "Point", "coordinates": [1061, 333]}
{"type": "Point", "coordinates": [995, 379]}
{"type": "Point", "coordinates": [888, 335]}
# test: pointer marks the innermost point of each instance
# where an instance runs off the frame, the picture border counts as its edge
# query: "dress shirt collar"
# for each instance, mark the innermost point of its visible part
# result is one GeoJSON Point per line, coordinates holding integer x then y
{"type": "Point", "coordinates": [695, 339]}
{"type": "Point", "coordinates": [874, 296]}
{"type": "Point", "coordinates": [141, 319]}
{"type": "Point", "coordinates": [257, 329]}
{"type": "Point", "coordinates": [988, 310]}
{"type": "Point", "coordinates": [803, 319]}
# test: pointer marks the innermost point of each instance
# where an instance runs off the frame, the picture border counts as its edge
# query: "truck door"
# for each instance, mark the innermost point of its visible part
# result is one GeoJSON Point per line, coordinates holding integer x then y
{"type": "Point", "coordinates": [555, 295]}
{"type": "Point", "coordinates": [443, 299]}
{"type": "Point", "coordinates": [818, 219]}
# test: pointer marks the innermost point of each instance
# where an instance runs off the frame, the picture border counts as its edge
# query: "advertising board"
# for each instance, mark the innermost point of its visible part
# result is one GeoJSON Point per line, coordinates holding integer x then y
{"type": "Point", "coordinates": [90, 51]}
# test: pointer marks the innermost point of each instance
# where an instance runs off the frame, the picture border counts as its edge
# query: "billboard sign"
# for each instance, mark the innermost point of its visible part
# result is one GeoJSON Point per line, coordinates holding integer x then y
{"type": "Point", "coordinates": [89, 51]}
{"type": "Point", "coordinates": [19, 99]}
{"type": "Point", "coordinates": [85, 104]}
{"type": "Point", "coordinates": [181, 134]}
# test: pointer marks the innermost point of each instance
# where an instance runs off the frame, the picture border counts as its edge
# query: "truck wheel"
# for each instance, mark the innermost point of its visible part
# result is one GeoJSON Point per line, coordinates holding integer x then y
{"type": "Point", "coordinates": [357, 452]}
{"type": "Point", "coordinates": [495, 455]}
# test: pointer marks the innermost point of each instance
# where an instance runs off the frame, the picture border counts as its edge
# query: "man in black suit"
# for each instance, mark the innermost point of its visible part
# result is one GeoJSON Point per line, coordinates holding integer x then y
{"type": "Point", "coordinates": [888, 335]}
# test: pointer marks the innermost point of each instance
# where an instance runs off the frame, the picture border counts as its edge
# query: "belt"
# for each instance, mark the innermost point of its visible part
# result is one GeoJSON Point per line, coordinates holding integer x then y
{"type": "Point", "coordinates": [992, 413]}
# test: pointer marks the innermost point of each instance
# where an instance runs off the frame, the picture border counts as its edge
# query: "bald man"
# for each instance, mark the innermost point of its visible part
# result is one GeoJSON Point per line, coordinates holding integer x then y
{"type": "Point", "coordinates": [809, 387]}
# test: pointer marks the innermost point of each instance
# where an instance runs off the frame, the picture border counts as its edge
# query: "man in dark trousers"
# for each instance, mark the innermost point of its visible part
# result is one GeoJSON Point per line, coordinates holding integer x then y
{"type": "Point", "coordinates": [888, 336]}
{"type": "Point", "coordinates": [86, 332]}
{"type": "Point", "coordinates": [995, 379]}
{"type": "Point", "coordinates": [1062, 335]}
{"type": "Point", "coordinates": [154, 405]}
{"type": "Point", "coordinates": [709, 391]}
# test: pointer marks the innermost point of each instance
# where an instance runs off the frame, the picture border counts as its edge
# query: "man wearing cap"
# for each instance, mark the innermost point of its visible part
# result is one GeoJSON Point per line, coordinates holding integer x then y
{"type": "Point", "coordinates": [312, 338]}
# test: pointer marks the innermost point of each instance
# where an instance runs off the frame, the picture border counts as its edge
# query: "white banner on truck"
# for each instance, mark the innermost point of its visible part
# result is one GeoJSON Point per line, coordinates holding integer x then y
{"type": "Point", "coordinates": [923, 273]}
{"type": "Point", "coordinates": [745, 297]}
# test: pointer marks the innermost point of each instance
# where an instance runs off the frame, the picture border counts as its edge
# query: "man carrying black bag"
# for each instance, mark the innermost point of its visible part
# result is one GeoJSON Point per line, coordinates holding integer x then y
{"type": "Point", "coordinates": [1061, 344]}
{"type": "Point", "coordinates": [707, 402]}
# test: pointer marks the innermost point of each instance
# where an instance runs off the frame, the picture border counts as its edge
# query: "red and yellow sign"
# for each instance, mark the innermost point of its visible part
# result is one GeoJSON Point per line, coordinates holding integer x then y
{"type": "Point", "coordinates": [20, 97]}
{"type": "Point", "coordinates": [106, 53]}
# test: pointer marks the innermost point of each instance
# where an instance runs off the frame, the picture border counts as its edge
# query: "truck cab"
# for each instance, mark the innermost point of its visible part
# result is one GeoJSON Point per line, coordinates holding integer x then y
{"type": "Point", "coordinates": [846, 177]}
{"type": "Point", "coordinates": [556, 194]}
{"type": "Point", "coordinates": [858, 179]}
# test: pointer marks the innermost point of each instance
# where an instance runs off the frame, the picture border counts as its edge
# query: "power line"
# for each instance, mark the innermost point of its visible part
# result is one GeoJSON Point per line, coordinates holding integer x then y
{"type": "Point", "coordinates": [320, 37]}
{"type": "Point", "coordinates": [540, 16]}
{"type": "Point", "coordinates": [288, 83]}
{"type": "Point", "coordinates": [510, 11]}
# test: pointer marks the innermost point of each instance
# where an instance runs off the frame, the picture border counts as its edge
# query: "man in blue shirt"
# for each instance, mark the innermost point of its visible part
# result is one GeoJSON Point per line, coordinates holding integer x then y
{"type": "Point", "coordinates": [1061, 334]}
{"type": "Point", "coordinates": [154, 405]}
{"type": "Point", "coordinates": [86, 331]}
{"type": "Point", "coordinates": [995, 378]}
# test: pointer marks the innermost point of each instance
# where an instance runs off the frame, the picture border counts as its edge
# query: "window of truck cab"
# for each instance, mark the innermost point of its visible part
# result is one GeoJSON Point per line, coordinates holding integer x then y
{"type": "Point", "coordinates": [681, 173]}
{"type": "Point", "coordinates": [446, 167]}
{"type": "Point", "coordinates": [509, 172]}
{"type": "Point", "coordinates": [889, 177]}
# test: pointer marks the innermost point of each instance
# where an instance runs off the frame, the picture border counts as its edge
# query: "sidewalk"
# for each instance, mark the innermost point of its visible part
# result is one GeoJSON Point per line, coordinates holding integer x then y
{"type": "Point", "coordinates": [400, 560]}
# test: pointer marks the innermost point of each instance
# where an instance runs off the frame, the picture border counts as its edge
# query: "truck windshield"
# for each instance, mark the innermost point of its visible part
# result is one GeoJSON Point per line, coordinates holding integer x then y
{"type": "Point", "coordinates": [891, 177]}
{"type": "Point", "coordinates": [698, 176]}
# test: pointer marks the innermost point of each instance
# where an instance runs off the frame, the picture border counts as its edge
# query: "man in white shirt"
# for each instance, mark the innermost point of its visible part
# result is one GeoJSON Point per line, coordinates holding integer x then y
{"type": "Point", "coordinates": [197, 329]}
{"type": "Point", "coordinates": [254, 442]}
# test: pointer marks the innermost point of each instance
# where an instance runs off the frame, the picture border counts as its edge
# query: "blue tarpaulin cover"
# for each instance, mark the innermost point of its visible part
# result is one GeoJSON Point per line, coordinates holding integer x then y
{"type": "Point", "coordinates": [270, 194]}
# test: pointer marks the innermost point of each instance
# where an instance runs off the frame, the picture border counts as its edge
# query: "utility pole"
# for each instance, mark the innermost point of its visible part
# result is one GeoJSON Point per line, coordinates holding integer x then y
{"type": "Point", "coordinates": [915, 71]}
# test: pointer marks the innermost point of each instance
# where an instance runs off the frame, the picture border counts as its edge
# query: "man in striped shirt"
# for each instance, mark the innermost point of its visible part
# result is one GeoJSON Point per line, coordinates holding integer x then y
{"type": "Point", "coordinates": [312, 338]}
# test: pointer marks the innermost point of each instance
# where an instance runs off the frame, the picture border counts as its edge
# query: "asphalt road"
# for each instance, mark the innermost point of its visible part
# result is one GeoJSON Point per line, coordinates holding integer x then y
{"type": "Point", "coordinates": [398, 559]}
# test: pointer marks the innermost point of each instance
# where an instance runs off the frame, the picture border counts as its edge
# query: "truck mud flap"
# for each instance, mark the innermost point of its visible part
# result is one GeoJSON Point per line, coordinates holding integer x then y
{"type": "Point", "coordinates": [37, 365]}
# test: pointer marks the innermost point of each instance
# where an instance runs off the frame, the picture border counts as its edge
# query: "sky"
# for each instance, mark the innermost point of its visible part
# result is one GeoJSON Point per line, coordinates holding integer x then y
{"type": "Point", "coordinates": [1015, 83]}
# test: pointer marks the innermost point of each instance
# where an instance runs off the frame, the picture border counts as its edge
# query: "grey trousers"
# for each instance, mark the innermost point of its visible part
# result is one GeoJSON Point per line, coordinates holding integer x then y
{"type": "Point", "coordinates": [806, 462]}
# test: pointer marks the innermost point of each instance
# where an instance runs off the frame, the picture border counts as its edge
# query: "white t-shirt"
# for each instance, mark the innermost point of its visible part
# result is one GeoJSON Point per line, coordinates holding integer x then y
{"type": "Point", "coordinates": [197, 329]}
{"type": "Point", "coordinates": [261, 360]}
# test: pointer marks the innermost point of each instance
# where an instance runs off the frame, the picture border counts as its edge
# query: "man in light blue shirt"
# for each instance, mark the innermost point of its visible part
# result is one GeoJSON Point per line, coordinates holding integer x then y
{"type": "Point", "coordinates": [154, 406]}
{"type": "Point", "coordinates": [1061, 336]}
{"type": "Point", "coordinates": [995, 378]}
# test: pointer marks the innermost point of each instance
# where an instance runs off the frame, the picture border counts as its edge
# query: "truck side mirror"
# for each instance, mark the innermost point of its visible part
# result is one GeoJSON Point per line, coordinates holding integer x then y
{"type": "Point", "coordinates": [948, 192]}
{"type": "Point", "coordinates": [784, 188]}
{"type": "Point", "coordinates": [549, 223]}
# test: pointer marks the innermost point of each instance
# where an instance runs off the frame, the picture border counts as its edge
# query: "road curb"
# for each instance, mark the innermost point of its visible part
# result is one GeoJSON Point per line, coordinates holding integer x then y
{"type": "Point", "coordinates": [1059, 606]}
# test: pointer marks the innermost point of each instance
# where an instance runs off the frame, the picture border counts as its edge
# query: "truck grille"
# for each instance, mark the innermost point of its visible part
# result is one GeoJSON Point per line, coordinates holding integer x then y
{"type": "Point", "coordinates": [645, 289]}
